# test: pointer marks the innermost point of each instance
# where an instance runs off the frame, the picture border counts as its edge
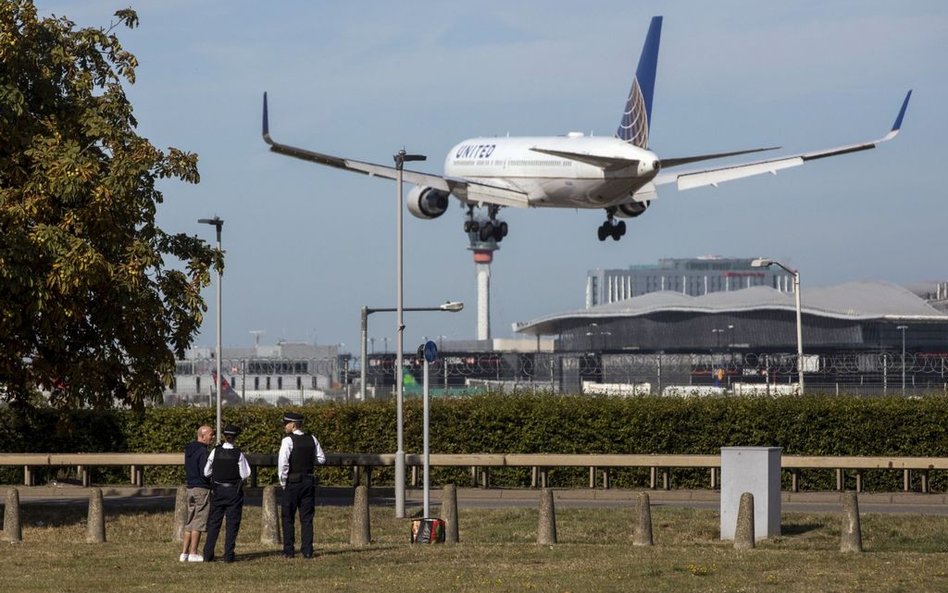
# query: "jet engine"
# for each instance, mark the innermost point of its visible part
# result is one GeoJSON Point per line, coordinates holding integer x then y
{"type": "Point", "coordinates": [427, 202]}
{"type": "Point", "coordinates": [631, 209]}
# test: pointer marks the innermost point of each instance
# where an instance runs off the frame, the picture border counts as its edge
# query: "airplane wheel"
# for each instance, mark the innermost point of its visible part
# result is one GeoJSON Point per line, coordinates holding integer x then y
{"type": "Point", "coordinates": [503, 230]}
{"type": "Point", "coordinates": [616, 235]}
{"type": "Point", "coordinates": [487, 231]}
{"type": "Point", "coordinates": [467, 226]}
{"type": "Point", "coordinates": [603, 233]}
{"type": "Point", "coordinates": [475, 226]}
{"type": "Point", "coordinates": [498, 234]}
{"type": "Point", "coordinates": [621, 228]}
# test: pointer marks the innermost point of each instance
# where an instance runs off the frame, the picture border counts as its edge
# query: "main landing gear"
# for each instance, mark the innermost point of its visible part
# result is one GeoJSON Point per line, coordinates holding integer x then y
{"type": "Point", "coordinates": [486, 229]}
{"type": "Point", "coordinates": [611, 228]}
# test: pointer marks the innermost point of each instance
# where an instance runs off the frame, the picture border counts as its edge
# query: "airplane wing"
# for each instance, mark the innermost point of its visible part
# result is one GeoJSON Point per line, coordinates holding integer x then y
{"type": "Point", "coordinates": [472, 191]}
{"type": "Point", "coordinates": [692, 179]}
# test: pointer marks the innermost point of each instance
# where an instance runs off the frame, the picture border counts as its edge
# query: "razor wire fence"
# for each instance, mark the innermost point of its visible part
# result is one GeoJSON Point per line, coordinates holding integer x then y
{"type": "Point", "coordinates": [286, 381]}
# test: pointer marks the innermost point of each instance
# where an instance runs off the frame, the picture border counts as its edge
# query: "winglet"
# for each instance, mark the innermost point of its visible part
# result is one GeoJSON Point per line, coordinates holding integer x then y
{"type": "Point", "coordinates": [637, 116]}
{"type": "Point", "coordinates": [266, 122]}
{"type": "Point", "coordinates": [898, 120]}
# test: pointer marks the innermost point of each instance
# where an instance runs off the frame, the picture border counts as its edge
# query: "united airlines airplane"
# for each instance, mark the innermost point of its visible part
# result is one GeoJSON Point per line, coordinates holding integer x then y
{"type": "Point", "coordinates": [619, 175]}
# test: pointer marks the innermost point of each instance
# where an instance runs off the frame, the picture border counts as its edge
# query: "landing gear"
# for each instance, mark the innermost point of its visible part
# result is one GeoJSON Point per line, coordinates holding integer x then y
{"type": "Point", "coordinates": [487, 230]}
{"type": "Point", "coordinates": [496, 230]}
{"type": "Point", "coordinates": [611, 228]}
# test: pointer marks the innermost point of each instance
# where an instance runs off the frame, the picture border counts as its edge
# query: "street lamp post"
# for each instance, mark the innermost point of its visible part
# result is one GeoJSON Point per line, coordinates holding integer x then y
{"type": "Point", "coordinates": [902, 329]}
{"type": "Point", "coordinates": [401, 157]}
{"type": "Point", "coordinates": [217, 223]}
{"type": "Point", "coordinates": [763, 262]}
{"type": "Point", "coordinates": [449, 307]}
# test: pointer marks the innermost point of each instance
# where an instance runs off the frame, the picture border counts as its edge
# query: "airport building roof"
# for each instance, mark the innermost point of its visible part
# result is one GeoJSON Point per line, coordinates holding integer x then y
{"type": "Point", "coordinates": [853, 301]}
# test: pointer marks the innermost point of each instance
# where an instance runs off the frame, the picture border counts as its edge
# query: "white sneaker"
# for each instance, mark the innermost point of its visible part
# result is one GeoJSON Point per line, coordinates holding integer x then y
{"type": "Point", "coordinates": [195, 558]}
{"type": "Point", "coordinates": [183, 558]}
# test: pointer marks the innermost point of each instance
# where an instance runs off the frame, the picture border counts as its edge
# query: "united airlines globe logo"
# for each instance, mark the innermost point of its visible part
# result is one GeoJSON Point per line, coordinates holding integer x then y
{"type": "Point", "coordinates": [634, 126]}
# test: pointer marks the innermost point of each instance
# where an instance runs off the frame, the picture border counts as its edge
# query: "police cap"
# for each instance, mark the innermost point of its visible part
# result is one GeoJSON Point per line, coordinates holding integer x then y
{"type": "Point", "coordinates": [292, 417]}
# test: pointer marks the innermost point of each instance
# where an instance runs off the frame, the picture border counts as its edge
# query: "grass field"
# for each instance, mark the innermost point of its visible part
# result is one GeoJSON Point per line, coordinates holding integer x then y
{"type": "Point", "coordinates": [497, 553]}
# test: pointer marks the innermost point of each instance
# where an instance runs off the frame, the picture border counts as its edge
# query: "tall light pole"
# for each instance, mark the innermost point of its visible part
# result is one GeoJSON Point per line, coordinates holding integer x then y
{"type": "Point", "coordinates": [449, 307]}
{"type": "Point", "coordinates": [763, 262]}
{"type": "Point", "coordinates": [902, 329]}
{"type": "Point", "coordinates": [401, 157]}
{"type": "Point", "coordinates": [217, 223]}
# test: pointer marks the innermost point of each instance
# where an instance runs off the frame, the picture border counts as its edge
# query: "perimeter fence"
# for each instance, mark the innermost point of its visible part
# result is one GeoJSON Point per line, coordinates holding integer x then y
{"type": "Point", "coordinates": [287, 381]}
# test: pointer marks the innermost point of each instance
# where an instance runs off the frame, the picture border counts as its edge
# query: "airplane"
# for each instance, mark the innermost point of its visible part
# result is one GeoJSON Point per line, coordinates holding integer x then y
{"type": "Point", "coordinates": [617, 174]}
{"type": "Point", "coordinates": [228, 393]}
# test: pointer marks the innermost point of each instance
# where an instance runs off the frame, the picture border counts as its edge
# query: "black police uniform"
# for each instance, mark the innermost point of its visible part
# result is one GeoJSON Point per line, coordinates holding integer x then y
{"type": "Point", "coordinates": [227, 499]}
{"type": "Point", "coordinates": [299, 494]}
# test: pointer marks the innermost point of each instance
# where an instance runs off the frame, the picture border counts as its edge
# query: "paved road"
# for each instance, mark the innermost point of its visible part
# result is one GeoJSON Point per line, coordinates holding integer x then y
{"type": "Point", "coordinates": [810, 502]}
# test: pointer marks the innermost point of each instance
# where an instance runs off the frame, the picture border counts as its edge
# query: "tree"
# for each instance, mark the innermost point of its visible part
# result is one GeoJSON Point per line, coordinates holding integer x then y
{"type": "Point", "coordinates": [89, 308]}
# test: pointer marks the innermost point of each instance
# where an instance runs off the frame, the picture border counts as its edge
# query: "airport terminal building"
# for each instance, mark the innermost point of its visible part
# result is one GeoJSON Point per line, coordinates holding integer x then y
{"type": "Point", "coordinates": [861, 333]}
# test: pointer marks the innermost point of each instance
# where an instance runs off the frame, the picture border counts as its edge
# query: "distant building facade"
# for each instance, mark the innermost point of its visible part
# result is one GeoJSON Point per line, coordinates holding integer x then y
{"type": "Point", "coordinates": [275, 374]}
{"type": "Point", "coordinates": [691, 276]}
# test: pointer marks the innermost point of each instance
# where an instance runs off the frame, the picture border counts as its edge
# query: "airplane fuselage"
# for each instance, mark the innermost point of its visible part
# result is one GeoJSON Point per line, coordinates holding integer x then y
{"type": "Point", "coordinates": [552, 180]}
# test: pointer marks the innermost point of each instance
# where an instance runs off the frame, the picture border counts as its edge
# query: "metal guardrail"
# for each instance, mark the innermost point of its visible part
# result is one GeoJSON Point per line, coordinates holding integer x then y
{"type": "Point", "coordinates": [600, 465]}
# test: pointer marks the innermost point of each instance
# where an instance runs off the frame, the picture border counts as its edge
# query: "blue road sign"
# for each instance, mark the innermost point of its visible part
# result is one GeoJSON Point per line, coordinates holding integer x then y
{"type": "Point", "coordinates": [431, 351]}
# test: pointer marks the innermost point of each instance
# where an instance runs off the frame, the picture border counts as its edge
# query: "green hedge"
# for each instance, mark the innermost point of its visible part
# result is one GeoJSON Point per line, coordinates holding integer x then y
{"type": "Point", "coordinates": [525, 423]}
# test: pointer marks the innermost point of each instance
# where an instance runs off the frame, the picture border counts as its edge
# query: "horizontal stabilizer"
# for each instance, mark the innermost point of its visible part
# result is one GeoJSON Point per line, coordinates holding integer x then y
{"type": "Point", "coordinates": [606, 163]}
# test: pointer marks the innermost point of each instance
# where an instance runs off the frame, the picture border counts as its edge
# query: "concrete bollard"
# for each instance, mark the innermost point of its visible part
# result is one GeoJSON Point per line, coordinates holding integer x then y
{"type": "Point", "coordinates": [744, 532]}
{"type": "Point", "coordinates": [180, 513]}
{"type": "Point", "coordinates": [643, 530]}
{"type": "Point", "coordinates": [850, 532]}
{"type": "Point", "coordinates": [546, 527]}
{"type": "Point", "coordinates": [360, 531]}
{"type": "Point", "coordinates": [95, 533]}
{"type": "Point", "coordinates": [449, 512]}
{"type": "Point", "coordinates": [12, 532]}
{"type": "Point", "coordinates": [270, 518]}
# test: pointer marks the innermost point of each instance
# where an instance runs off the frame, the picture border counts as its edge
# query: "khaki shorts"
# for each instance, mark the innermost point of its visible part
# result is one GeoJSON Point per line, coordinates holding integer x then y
{"type": "Point", "coordinates": [199, 506]}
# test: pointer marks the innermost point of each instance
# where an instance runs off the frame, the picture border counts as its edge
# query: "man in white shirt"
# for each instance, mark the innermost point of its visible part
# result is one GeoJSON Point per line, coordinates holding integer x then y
{"type": "Point", "coordinates": [227, 468]}
{"type": "Point", "coordinates": [299, 455]}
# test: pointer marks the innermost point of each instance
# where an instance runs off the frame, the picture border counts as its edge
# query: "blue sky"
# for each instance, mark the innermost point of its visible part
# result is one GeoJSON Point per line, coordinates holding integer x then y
{"type": "Point", "coordinates": [307, 246]}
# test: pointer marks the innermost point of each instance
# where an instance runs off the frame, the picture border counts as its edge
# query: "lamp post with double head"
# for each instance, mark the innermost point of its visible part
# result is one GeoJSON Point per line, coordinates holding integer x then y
{"type": "Point", "coordinates": [449, 307]}
{"type": "Point", "coordinates": [217, 223]}
{"type": "Point", "coordinates": [763, 262]}
{"type": "Point", "coordinates": [401, 157]}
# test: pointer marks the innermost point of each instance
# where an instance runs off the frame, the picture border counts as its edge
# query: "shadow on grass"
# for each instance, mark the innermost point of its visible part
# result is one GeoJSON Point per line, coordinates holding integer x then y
{"type": "Point", "coordinates": [800, 528]}
{"type": "Point", "coordinates": [62, 514]}
{"type": "Point", "coordinates": [278, 554]}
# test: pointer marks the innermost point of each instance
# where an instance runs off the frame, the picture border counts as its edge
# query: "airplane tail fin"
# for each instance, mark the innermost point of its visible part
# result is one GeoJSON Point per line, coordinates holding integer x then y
{"type": "Point", "coordinates": [638, 107]}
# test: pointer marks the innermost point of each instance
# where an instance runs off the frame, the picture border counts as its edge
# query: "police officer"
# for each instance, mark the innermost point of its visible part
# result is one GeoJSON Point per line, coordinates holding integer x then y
{"type": "Point", "coordinates": [299, 454]}
{"type": "Point", "coordinates": [227, 468]}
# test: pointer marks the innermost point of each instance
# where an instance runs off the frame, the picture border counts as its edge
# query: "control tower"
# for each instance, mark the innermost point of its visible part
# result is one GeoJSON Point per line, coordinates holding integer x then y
{"type": "Point", "coordinates": [483, 256]}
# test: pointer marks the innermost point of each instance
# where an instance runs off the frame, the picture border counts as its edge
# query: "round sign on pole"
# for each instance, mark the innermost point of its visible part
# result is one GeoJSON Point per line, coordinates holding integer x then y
{"type": "Point", "coordinates": [431, 351]}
